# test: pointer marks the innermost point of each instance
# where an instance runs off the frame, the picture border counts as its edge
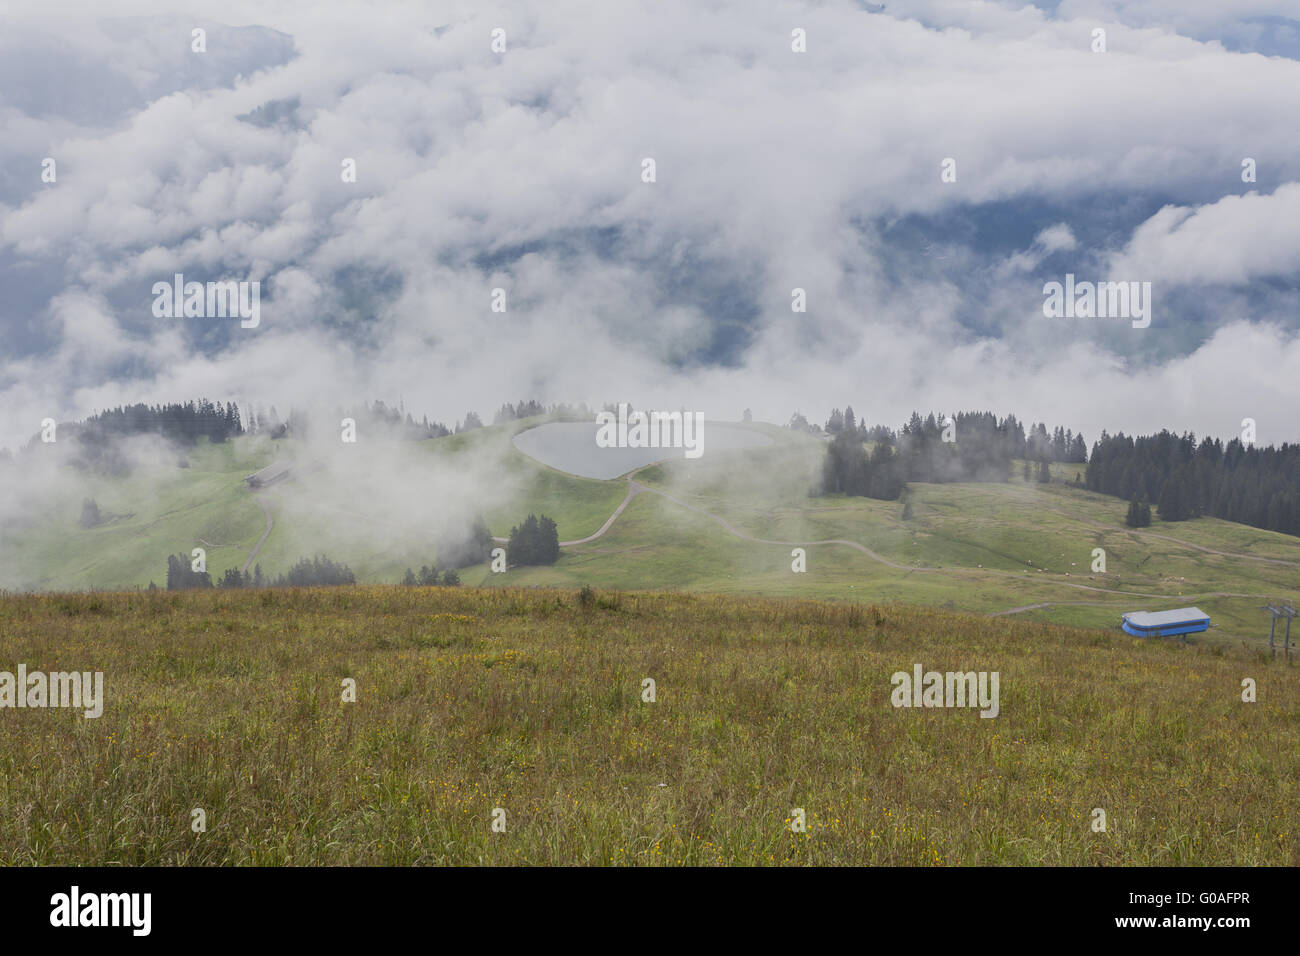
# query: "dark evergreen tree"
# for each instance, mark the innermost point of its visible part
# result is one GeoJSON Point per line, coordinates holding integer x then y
{"type": "Point", "coordinates": [522, 544]}
{"type": "Point", "coordinates": [884, 480]}
{"type": "Point", "coordinates": [548, 541]}
{"type": "Point", "coordinates": [1173, 500]}
{"type": "Point", "coordinates": [801, 424]}
{"type": "Point", "coordinates": [319, 571]}
{"type": "Point", "coordinates": [533, 542]}
{"type": "Point", "coordinates": [90, 516]}
{"type": "Point", "coordinates": [1139, 514]}
{"type": "Point", "coordinates": [845, 470]}
{"type": "Point", "coordinates": [467, 546]}
{"type": "Point", "coordinates": [181, 576]}
{"type": "Point", "coordinates": [233, 579]}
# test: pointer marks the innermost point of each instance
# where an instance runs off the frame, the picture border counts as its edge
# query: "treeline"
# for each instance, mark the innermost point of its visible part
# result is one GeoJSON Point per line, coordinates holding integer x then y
{"type": "Point", "coordinates": [399, 418]}
{"type": "Point", "coordinates": [1183, 479]}
{"type": "Point", "coordinates": [371, 418]}
{"type": "Point", "coordinates": [182, 422]}
{"type": "Point", "coordinates": [965, 446]}
{"type": "Point", "coordinates": [180, 576]}
{"type": "Point", "coordinates": [532, 407]}
{"type": "Point", "coordinates": [396, 419]}
{"type": "Point", "coordinates": [429, 577]}
{"type": "Point", "coordinates": [1139, 514]}
{"type": "Point", "coordinates": [1036, 444]}
{"type": "Point", "coordinates": [95, 440]}
{"type": "Point", "coordinates": [186, 422]}
{"type": "Point", "coordinates": [319, 571]}
{"type": "Point", "coordinates": [849, 470]}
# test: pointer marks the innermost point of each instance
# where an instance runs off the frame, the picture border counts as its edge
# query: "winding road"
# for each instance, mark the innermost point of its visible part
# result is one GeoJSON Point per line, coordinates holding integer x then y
{"type": "Point", "coordinates": [270, 523]}
{"type": "Point", "coordinates": [633, 489]}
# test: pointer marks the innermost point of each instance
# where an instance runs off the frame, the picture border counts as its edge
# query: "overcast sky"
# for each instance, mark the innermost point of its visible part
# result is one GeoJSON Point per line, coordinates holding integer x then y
{"type": "Point", "coordinates": [775, 170]}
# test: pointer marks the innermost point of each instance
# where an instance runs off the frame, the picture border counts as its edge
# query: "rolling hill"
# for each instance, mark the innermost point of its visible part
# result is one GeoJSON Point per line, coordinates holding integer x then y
{"type": "Point", "coordinates": [725, 523]}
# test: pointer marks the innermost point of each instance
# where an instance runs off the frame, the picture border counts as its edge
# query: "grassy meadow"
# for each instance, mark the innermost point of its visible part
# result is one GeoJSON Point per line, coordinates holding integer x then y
{"type": "Point", "coordinates": [980, 548]}
{"type": "Point", "coordinates": [530, 700]}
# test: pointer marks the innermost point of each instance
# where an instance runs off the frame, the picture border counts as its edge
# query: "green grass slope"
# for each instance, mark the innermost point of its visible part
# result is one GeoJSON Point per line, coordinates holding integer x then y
{"type": "Point", "coordinates": [149, 514]}
{"type": "Point", "coordinates": [1017, 547]}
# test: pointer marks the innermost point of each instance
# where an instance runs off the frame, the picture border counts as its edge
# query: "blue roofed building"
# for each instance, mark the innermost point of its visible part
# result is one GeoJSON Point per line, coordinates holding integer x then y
{"type": "Point", "coordinates": [1183, 620]}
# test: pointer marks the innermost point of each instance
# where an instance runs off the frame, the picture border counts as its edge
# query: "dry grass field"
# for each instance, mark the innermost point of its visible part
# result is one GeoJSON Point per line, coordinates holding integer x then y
{"type": "Point", "coordinates": [531, 701]}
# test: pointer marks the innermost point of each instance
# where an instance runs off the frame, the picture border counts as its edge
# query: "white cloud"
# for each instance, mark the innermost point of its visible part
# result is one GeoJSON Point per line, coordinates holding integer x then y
{"type": "Point", "coordinates": [774, 170]}
{"type": "Point", "coordinates": [1234, 240]}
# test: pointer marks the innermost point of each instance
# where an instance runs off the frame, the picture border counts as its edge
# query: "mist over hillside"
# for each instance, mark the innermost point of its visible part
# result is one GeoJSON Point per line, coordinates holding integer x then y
{"type": "Point", "coordinates": [967, 511]}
